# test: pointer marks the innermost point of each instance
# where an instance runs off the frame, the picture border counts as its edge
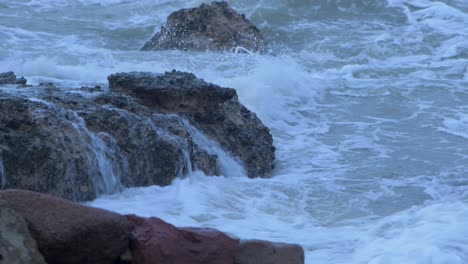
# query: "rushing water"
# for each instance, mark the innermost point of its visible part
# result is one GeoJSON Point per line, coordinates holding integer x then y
{"type": "Point", "coordinates": [367, 101]}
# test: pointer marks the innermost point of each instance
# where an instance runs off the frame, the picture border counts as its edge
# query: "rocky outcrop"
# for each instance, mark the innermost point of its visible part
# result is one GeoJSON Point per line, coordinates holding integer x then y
{"type": "Point", "coordinates": [10, 78]}
{"type": "Point", "coordinates": [213, 109]}
{"type": "Point", "coordinates": [215, 27]}
{"type": "Point", "coordinates": [155, 241]}
{"type": "Point", "coordinates": [79, 143]}
{"type": "Point", "coordinates": [69, 233]}
{"type": "Point", "coordinates": [265, 252]}
{"type": "Point", "coordinates": [16, 244]}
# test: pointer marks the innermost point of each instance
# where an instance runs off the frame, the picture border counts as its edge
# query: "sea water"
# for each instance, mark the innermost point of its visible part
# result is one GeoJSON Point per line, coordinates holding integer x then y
{"type": "Point", "coordinates": [367, 101]}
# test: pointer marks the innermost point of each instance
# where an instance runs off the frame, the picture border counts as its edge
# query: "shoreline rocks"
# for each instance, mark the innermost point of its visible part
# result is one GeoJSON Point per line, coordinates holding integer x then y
{"type": "Point", "coordinates": [144, 131]}
{"type": "Point", "coordinates": [70, 233]}
{"type": "Point", "coordinates": [209, 27]}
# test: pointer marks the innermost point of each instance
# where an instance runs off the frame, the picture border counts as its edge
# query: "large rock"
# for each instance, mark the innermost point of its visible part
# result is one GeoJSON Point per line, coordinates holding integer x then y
{"type": "Point", "coordinates": [264, 252]}
{"type": "Point", "coordinates": [149, 130]}
{"type": "Point", "coordinates": [155, 241]}
{"type": "Point", "coordinates": [77, 148]}
{"type": "Point", "coordinates": [215, 27]}
{"type": "Point", "coordinates": [16, 244]}
{"type": "Point", "coordinates": [213, 109]}
{"type": "Point", "coordinates": [70, 233]}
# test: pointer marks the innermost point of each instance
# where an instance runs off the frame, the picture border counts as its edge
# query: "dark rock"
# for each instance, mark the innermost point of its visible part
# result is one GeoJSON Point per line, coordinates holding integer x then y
{"type": "Point", "coordinates": [10, 78]}
{"type": "Point", "coordinates": [155, 241]}
{"type": "Point", "coordinates": [77, 148]}
{"type": "Point", "coordinates": [47, 148]}
{"type": "Point", "coordinates": [16, 244]}
{"type": "Point", "coordinates": [215, 27]}
{"type": "Point", "coordinates": [264, 252]}
{"type": "Point", "coordinates": [67, 232]}
{"type": "Point", "coordinates": [211, 108]}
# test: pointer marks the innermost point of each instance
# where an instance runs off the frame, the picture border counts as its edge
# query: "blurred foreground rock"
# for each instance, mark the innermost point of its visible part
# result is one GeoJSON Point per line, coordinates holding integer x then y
{"type": "Point", "coordinates": [67, 232]}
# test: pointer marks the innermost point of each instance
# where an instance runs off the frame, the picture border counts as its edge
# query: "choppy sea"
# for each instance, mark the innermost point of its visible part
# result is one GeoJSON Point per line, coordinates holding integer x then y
{"type": "Point", "coordinates": [367, 101]}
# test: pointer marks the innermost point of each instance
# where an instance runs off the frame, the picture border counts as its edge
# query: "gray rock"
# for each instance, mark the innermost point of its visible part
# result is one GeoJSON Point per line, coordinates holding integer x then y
{"type": "Point", "coordinates": [264, 252]}
{"type": "Point", "coordinates": [10, 78]}
{"type": "Point", "coordinates": [215, 27]}
{"type": "Point", "coordinates": [211, 108]}
{"type": "Point", "coordinates": [16, 244]}
{"type": "Point", "coordinates": [70, 233]}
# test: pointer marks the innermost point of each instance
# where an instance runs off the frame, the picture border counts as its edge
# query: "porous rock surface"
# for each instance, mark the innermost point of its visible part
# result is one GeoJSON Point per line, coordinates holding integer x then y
{"type": "Point", "coordinates": [215, 27]}
{"type": "Point", "coordinates": [79, 143]}
{"type": "Point", "coordinates": [213, 109]}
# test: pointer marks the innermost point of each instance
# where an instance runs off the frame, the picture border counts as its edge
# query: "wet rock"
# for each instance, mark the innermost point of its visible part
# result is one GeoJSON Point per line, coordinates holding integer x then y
{"type": "Point", "coordinates": [155, 241]}
{"type": "Point", "coordinates": [67, 232]}
{"type": "Point", "coordinates": [213, 109]}
{"type": "Point", "coordinates": [16, 244]}
{"type": "Point", "coordinates": [264, 252]}
{"type": "Point", "coordinates": [215, 27]}
{"type": "Point", "coordinates": [47, 148]}
{"type": "Point", "coordinates": [10, 78]}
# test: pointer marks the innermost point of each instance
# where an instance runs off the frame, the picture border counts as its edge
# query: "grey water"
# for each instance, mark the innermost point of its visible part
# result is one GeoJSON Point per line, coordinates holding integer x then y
{"type": "Point", "coordinates": [366, 101]}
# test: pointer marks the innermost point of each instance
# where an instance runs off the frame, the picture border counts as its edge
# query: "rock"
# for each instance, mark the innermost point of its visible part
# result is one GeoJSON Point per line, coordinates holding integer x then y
{"type": "Point", "coordinates": [215, 27]}
{"type": "Point", "coordinates": [16, 244]}
{"type": "Point", "coordinates": [264, 252]}
{"type": "Point", "coordinates": [47, 148]}
{"type": "Point", "coordinates": [155, 241]}
{"type": "Point", "coordinates": [67, 232]}
{"type": "Point", "coordinates": [145, 131]}
{"type": "Point", "coordinates": [10, 78]}
{"type": "Point", "coordinates": [77, 148]}
{"type": "Point", "coordinates": [211, 108]}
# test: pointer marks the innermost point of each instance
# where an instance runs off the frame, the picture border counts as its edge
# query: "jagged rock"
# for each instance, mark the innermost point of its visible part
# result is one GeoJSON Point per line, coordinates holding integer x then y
{"type": "Point", "coordinates": [70, 233]}
{"type": "Point", "coordinates": [155, 241]}
{"type": "Point", "coordinates": [215, 27]}
{"type": "Point", "coordinates": [213, 109]}
{"type": "Point", "coordinates": [16, 244]}
{"type": "Point", "coordinates": [265, 252]}
{"type": "Point", "coordinates": [143, 133]}
{"type": "Point", "coordinates": [10, 78]}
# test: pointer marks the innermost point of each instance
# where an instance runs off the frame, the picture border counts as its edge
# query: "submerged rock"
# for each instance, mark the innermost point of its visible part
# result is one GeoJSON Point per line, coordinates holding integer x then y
{"type": "Point", "coordinates": [16, 243]}
{"type": "Point", "coordinates": [70, 233]}
{"type": "Point", "coordinates": [215, 27]}
{"type": "Point", "coordinates": [213, 109]}
{"type": "Point", "coordinates": [155, 241]}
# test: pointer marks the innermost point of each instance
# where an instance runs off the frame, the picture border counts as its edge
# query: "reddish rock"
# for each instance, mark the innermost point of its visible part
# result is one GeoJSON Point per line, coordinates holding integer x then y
{"type": "Point", "coordinates": [265, 252]}
{"type": "Point", "coordinates": [67, 232]}
{"type": "Point", "coordinates": [155, 241]}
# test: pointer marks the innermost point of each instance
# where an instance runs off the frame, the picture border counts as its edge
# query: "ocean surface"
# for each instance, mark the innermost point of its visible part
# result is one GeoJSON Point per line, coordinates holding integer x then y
{"type": "Point", "coordinates": [367, 101]}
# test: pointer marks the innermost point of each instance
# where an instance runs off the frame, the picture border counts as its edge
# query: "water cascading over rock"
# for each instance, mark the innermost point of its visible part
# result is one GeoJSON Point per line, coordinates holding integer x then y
{"type": "Point", "coordinates": [148, 130]}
